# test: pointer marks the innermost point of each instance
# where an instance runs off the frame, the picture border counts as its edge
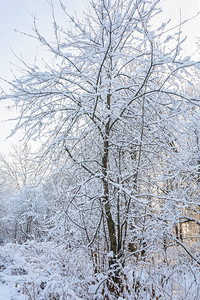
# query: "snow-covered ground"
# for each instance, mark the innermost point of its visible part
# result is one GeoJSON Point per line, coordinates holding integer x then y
{"type": "Point", "coordinates": [8, 292]}
{"type": "Point", "coordinates": [4, 292]}
{"type": "Point", "coordinates": [46, 270]}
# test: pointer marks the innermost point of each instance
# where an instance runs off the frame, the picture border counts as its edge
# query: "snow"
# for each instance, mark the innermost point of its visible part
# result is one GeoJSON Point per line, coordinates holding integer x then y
{"type": "Point", "coordinates": [110, 254]}
{"type": "Point", "coordinates": [4, 292]}
{"type": "Point", "coordinates": [9, 292]}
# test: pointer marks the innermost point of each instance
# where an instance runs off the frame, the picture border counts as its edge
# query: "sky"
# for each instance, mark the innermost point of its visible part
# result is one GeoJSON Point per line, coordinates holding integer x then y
{"type": "Point", "coordinates": [18, 15]}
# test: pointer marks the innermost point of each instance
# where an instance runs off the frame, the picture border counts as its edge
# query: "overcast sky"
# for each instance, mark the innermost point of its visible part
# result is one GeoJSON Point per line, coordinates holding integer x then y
{"type": "Point", "coordinates": [16, 14]}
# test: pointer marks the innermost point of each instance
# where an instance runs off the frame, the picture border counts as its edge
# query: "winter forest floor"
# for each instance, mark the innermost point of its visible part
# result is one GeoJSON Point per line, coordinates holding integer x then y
{"type": "Point", "coordinates": [4, 292]}
{"type": "Point", "coordinates": [43, 271]}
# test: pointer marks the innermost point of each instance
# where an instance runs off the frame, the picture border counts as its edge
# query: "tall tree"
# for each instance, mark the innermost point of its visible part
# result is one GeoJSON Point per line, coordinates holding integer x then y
{"type": "Point", "coordinates": [106, 107]}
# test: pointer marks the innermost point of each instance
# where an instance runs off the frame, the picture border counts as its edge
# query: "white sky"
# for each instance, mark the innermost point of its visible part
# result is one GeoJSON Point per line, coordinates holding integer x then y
{"type": "Point", "coordinates": [15, 14]}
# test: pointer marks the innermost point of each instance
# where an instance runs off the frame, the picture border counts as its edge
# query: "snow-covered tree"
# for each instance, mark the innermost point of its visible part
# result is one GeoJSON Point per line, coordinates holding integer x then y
{"type": "Point", "coordinates": [106, 109]}
{"type": "Point", "coordinates": [23, 204]}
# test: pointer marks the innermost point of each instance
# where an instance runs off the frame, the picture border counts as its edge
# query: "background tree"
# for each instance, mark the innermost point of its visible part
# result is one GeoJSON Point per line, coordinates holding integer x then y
{"type": "Point", "coordinates": [23, 205]}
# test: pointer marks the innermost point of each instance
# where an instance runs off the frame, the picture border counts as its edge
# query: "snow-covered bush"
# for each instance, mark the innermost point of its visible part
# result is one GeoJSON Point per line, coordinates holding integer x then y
{"type": "Point", "coordinates": [46, 270]}
{"type": "Point", "coordinates": [43, 271]}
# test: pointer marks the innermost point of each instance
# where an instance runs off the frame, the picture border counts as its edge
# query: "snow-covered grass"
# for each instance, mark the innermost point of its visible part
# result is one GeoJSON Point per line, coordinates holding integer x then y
{"type": "Point", "coordinates": [43, 271]}
{"type": "Point", "coordinates": [167, 282]}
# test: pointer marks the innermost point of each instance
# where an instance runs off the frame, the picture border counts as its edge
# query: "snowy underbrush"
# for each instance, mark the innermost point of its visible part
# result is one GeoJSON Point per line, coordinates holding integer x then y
{"type": "Point", "coordinates": [45, 271]}
{"type": "Point", "coordinates": [177, 282]}
{"type": "Point", "coordinates": [48, 271]}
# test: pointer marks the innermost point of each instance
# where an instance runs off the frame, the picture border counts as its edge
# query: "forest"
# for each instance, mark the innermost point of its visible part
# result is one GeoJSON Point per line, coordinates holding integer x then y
{"type": "Point", "coordinates": [107, 206]}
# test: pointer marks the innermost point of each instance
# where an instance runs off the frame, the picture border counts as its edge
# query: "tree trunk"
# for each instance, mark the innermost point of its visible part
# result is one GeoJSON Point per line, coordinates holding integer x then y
{"type": "Point", "coordinates": [113, 283]}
